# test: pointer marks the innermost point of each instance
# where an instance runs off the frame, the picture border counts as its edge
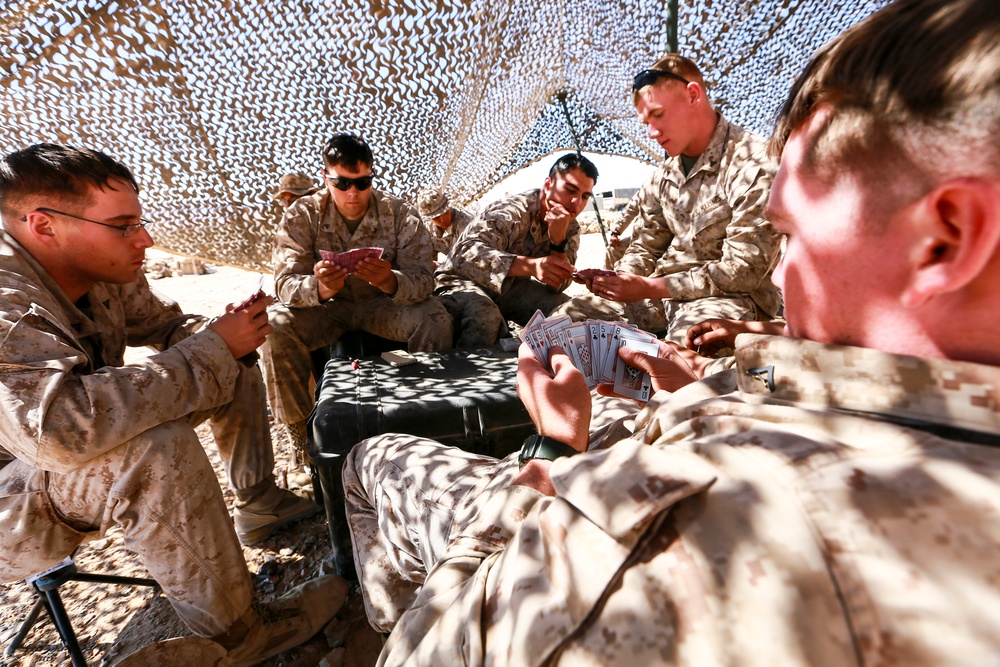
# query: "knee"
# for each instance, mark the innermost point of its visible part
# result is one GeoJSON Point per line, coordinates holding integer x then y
{"type": "Point", "coordinates": [167, 456]}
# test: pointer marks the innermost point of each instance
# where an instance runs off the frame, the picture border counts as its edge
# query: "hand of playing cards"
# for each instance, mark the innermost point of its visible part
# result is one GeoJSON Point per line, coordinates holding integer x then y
{"type": "Point", "coordinates": [586, 275]}
{"type": "Point", "coordinates": [593, 347]}
{"type": "Point", "coordinates": [349, 260]}
{"type": "Point", "coordinates": [250, 300]}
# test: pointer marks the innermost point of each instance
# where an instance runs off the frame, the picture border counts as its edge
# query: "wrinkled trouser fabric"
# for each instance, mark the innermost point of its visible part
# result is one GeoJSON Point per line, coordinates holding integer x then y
{"type": "Point", "coordinates": [161, 488]}
{"type": "Point", "coordinates": [480, 320]}
{"type": "Point", "coordinates": [405, 497]}
{"type": "Point", "coordinates": [424, 326]}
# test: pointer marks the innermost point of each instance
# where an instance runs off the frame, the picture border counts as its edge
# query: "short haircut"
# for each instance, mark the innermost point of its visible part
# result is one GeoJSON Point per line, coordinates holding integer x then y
{"type": "Point", "coordinates": [349, 151]}
{"type": "Point", "coordinates": [64, 174]}
{"type": "Point", "coordinates": [677, 64]}
{"type": "Point", "coordinates": [574, 161]}
{"type": "Point", "coordinates": [914, 99]}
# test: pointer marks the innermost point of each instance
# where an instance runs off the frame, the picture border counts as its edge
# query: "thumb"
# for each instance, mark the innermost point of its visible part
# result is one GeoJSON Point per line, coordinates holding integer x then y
{"type": "Point", "coordinates": [635, 358]}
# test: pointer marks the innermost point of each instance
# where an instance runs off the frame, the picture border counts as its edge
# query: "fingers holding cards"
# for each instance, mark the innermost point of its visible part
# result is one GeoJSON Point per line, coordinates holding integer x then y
{"type": "Point", "coordinates": [593, 348]}
{"type": "Point", "coordinates": [350, 259]}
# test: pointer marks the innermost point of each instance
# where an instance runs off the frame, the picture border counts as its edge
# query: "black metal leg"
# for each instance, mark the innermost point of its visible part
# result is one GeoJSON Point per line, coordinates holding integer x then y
{"type": "Point", "coordinates": [47, 588]}
{"type": "Point", "coordinates": [58, 613]}
{"type": "Point", "coordinates": [22, 631]}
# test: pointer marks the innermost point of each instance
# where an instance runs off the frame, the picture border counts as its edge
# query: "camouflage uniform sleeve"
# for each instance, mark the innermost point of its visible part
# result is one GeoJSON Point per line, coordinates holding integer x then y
{"type": "Point", "coordinates": [439, 242]}
{"type": "Point", "coordinates": [414, 265]}
{"type": "Point", "coordinates": [154, 320]}
{"type": "Point", "coordinates": [749, 248]}
{"type": "Point", "coordinates": [479, 253]}
{"type": "Point", "coordinates": [294, 255]}
{"type": "Point", "coordinates": [651, 240]}
{"type": "Point", "coordinates": [61, 413]}
{"type": "Point", "coordinates": [631, 211]}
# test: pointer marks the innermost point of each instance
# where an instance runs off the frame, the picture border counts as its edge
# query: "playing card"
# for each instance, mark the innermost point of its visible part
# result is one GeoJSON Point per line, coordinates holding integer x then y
{"type": "Point", "coordinates": [584, 275]}
{"type": "Point", "coordinates": [610, 335]}
{"type": "Point", "coordinates": [595, 347]}
{"type": "Point", "coordinates": [247, 302]}
{"type": "Point", "coordinates": [550, 329]}
{"type": "Point", "coordinates": [630, 381]}
{"type": "Point", "coordinates": [577, 346]}
{"type": "Point", "coordinates": [527, 335]}
{"type": "Point", "coordinates": [349, 260]}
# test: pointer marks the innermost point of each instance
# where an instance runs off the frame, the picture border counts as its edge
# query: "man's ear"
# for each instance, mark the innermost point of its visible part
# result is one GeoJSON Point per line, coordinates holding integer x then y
{"type": "Point", "coordinates": [959, 235]}
{"type": "Point", "coordinates": [38, 224]}
{"type": "Point", "coordinates": [694, 92]}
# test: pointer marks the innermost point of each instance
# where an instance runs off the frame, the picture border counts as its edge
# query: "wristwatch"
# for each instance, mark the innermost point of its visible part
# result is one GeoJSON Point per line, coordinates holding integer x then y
{"type": "Point", "coordinates": [543, 447]}
{"type": "Point", "coordinates": [558, 247]}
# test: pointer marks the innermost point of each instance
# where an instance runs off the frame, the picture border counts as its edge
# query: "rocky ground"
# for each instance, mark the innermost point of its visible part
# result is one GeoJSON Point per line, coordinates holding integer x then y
{"type": "Point", "coordinates": [114, 621]}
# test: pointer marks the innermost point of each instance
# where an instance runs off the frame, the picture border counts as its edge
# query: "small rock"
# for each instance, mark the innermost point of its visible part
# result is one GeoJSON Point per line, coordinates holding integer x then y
{"type": "Point", "coordinates": [336, 630]}
{"type": "Point", "coordinates": [334, 658]}
{"type": "Point", "coordinates": [269, 568]}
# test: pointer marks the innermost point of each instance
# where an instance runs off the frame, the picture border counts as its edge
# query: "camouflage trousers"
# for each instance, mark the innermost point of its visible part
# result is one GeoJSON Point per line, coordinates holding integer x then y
{"type": "Point", "coordinates": [480, 320]}
{"type": "Point", "coordinates": [424, 326]}
{"type": "Point", "coordinates": [161, 489]}
{"type": "Point", "coordinates": [657, 316]}
{"type": "Point", "coordinates": [406, 497]}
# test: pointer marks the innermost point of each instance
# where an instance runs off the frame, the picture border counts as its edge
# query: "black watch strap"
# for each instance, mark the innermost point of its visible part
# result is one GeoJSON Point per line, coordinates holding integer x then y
{"type": "Point", "coordinates": [559, 247]}
{"type": "Point", "coordinates": [543, 447]}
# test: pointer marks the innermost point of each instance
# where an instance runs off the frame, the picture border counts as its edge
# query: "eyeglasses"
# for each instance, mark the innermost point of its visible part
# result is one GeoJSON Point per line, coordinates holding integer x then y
{"type": "Point", "coordinates": [126, 230]}
{"type": "Point", "coordinates": [648, 77]}
{"type": "Point", "coordinates": [344, 183]}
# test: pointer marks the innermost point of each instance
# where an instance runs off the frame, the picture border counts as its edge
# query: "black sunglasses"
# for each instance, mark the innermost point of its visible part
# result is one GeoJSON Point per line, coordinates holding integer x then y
{"type": "Point", "coordinates": [648, 77]}
{"type": "Point", "coordinates": [344, 183]}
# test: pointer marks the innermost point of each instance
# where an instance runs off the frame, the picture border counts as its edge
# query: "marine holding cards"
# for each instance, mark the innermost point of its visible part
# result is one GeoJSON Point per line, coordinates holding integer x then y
{"type": "Point", "coordinates": [517, 256]}
{"type": "Point", "coordinates": [704, 248]}
{"type": "Point", "coordinates": [387, 293]}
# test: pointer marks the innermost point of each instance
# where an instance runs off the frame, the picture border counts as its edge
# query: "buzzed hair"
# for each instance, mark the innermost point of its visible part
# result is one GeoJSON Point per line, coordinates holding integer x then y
{"type": "Point", "coordinates": [914, 99]}
{"type": "Point", "coordinates": [677, 64]}
{"type": "Point", "coordinates": [64, 174]}
{"type": "Point", "coordinates": [349, 151]}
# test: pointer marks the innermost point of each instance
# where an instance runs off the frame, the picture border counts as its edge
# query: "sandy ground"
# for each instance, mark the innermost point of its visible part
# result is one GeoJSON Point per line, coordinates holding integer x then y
{"type": "Point", "coordinates": [114, 621]}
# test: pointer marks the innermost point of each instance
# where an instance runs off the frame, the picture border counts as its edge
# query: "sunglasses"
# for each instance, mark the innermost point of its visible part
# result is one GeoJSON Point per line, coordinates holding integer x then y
{"type": "Point", "coordinates": [344, 183]}
{"type": "Point", "coordinates": [648, 77]}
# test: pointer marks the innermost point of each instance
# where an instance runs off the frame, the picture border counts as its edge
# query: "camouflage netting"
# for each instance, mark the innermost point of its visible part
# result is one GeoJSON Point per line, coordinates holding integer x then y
{"type": "Point", "coordinates": [210, 101]}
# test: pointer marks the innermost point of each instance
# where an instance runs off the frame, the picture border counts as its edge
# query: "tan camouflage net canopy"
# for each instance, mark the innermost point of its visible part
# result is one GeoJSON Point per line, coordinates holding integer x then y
{"type": "Point", "coordinates": [210, 101]}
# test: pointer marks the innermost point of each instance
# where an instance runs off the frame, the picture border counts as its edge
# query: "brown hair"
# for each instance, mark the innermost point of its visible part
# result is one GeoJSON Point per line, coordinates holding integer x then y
{"type": "Point", "coordinates": [61, 173]}
{"type": "Point", "coordinates": [914, 98]}
{"type": "Point", "coordinates": [676, 64]}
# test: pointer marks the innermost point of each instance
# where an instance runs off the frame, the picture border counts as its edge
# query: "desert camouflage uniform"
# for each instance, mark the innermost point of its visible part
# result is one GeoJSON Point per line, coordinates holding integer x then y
{"type": "Point", "coordinates": [629, 214]}
{"type": "Point", "coordinates": [848, 516]}
{"type": "Point", "coordinates": [473, 282]}
{"type": "Point", "coordinates": [705, 234]}
{"type": "Point", "coordinates": [302, 323]}
{"type": "Point", "coordinates": [443, 240]}
{"type": "Point", "coordinates": [89, 442]}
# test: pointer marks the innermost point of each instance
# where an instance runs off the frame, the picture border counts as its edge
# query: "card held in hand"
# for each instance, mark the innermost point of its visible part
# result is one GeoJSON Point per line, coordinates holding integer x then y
{"type": "Point", "coordinates": [631, 381]}
{"type": "Point", "coordinates": [349, 260]}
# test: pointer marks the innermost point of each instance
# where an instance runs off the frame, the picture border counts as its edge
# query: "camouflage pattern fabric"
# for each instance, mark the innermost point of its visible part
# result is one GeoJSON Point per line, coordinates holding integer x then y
{"type": "Point", "coordinates": [503, 230]}
{"type": "Point", "coordinates": [313, 223]}
{"type": "Point", "coordinates": [628, 215]}
{"type": "Point", "coordinates": [706, 235]}
{"type": "Point", "coordinates": [850, 492]}
{"type": "Point", "coordinates": [89, 442]}
{"type": "Point", "coordinates": [481, 320]}
{"type": "Point", "coordinates": [443, 240]}
{"type": "Point", "coordinates": [473, 280]}
{"type": "Point", "coordinates": [303, 324]}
